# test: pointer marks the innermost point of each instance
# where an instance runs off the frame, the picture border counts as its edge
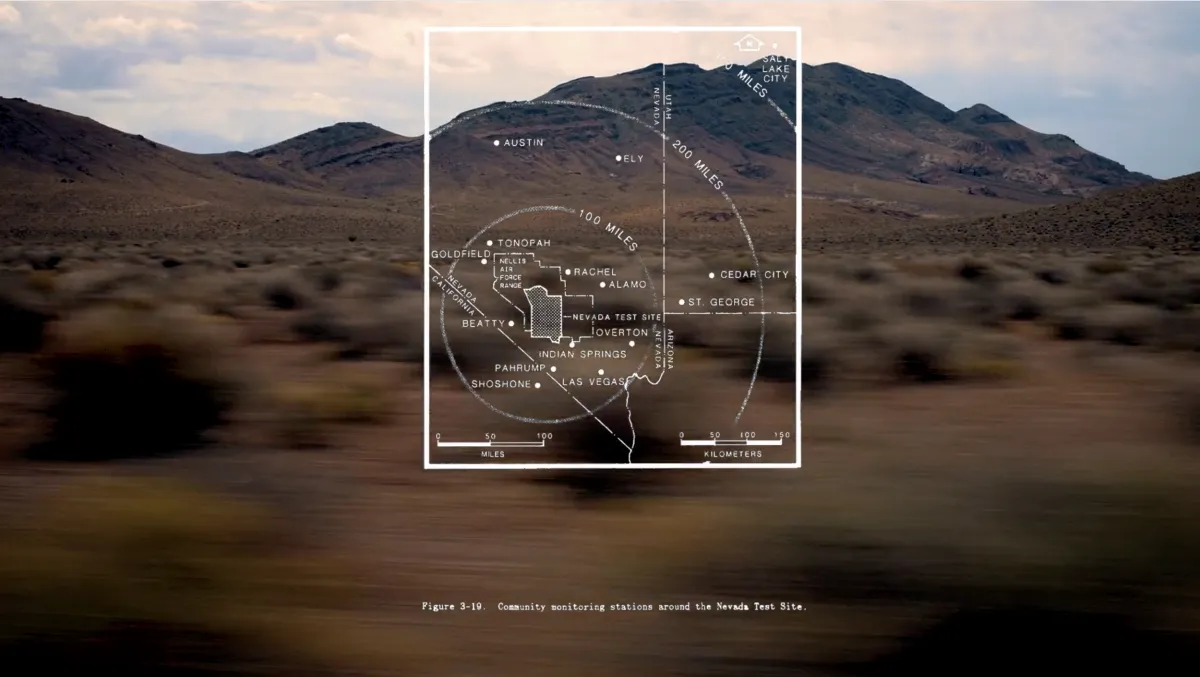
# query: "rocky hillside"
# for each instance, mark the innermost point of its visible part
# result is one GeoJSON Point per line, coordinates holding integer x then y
{"type": "Point", "coordinates": [37, 143]}
{"type": "Point", "coordinates": [354, 157]}
{"type": "Point", "coordinates": [1162, 215]}
{"type": "Point", "coordinates": [862, 123]}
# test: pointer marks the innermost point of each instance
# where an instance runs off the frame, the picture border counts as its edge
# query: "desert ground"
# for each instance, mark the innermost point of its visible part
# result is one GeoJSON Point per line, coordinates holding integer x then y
{"type": "Point", "coordinates": [211, 463]}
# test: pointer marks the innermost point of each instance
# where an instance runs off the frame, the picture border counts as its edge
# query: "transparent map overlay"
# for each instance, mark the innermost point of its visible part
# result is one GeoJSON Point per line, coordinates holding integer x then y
{"type": "Point", "coordinates": [613, 269]}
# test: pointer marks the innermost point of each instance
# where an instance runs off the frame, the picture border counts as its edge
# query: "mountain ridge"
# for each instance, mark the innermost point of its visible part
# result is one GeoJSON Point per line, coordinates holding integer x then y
{"type": "Point", "coordinates": [855, 123]}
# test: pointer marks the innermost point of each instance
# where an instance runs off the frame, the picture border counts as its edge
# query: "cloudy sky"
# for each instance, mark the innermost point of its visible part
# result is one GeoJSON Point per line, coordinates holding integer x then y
{"type": "Point", "coordinates": [468, 69]}
{"type": "Point", "coordinates": [1123, 79]}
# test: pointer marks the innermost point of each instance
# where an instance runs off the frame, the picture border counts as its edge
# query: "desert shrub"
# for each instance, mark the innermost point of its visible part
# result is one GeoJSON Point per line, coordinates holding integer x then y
{"type": "Point", "coordinates": [198, 289]}
{"type": "Point", "coordinates": [861, 310]}
{"type": "Point", "coordinates": [987, 305]}
{"type": "Point", "coordinates": [931, 299]}
{"type": "Point", "coordinates": [286, 290]}
{"type": "Point", "coordinates": [309, 410]}
{"type": "Point", "coordinates": [1186, 405]}
{"type": "Point", "coordinates": [322, 324]}
{"type": "Point", "coordinates": [43, 282]}
{"type": "Point", "coordinates": [1178, 287]}
{"type": "Point", "coordinates": [1126, 324]}
{"type": "Point", "coordinates": [22, 323]}
{"type": "Point", "coordinates": [817, 290]}
{"type": "Point", "coordinates": [1023, 301]}
{"type": "Point", "coordinates": [144, 577]}
{"type": "Point", "coordinates": [44, 260]}
{"type": "Point", "coordinates": [1107, 266]}
{"type": "Point", "coordinates": [986, 355]}
{"type": "Point", "coordinates": [323, 278]}
{"type": "Point", "coordinates": [1143, 287]}
{"type": "Point", "coordinates": [1180, 330]}
{"type": "Point", "coordinates": [134, 382]}
{"type": "Point", "coordinates": [859, 317]}
{"type": "Point", "coordinates": [1071, 324]}
{"type": "Point", "coordinates": [778, 359]}
{"type": "Point", "coordinates": [473, 350]}
{"type": "Point", "coordinates": [389, 331]}
{"type": "Point", "coordinates": [870, 273]}
{"type": "Point", "coordinates": [934, 352]}
{"type": "Point", "coordinates": [921, 352]}
{"type": "Point", "coordinates": [819, 358]}
{"type": "Point", "coordinates": [697, 331]}
{"type": "Point", "coordinates": [88, 286]}
{"type": "Point", "coordinates": [134, 259]}
{"type": "Point", "coordinates": [1188, 284]}
{"type": "Point", "coordinates": [675, 405]}
{"type": "Point", "coordinates": [414, 333]}
{"type": "Point", "coordinates": [388, 281]}
{"type": "Point", "coordinates": [1053, 276]}
{"type": "Point", "coordinates": [973, 270]}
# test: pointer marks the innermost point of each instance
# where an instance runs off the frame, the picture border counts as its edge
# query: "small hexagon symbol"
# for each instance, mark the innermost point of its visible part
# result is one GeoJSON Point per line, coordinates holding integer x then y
{"type": "Point", "coordinates": [749, 43]}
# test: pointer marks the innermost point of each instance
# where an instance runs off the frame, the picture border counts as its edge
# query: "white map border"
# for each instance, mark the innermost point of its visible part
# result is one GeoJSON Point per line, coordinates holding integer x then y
{"type": "Point", "coordinates": [426, 374]}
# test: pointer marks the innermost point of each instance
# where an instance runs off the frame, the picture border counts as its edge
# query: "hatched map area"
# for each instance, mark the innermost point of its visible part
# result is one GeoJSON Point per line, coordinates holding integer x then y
{"type": "Point", "coordinates": [545, 314]}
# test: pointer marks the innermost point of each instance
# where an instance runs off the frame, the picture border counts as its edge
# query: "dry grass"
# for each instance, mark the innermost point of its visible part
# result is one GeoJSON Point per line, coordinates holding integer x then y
{"type": "Point", "coordinates": [141, 576]}
{"type": "Point", "coordinates": [308, 410]}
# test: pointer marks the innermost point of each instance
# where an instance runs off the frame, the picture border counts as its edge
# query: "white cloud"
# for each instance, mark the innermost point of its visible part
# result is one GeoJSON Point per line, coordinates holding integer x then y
{"type": "Point", "coordinates": [120, 28]}
{"type": "Point", "coordinates": [347, 40]}
{"type": "Point", "coordinates": [314, 103]}
{"type": "Point", "coordinates": [9, 16]}
{"type": "Point", "coordinates": [447, 64]}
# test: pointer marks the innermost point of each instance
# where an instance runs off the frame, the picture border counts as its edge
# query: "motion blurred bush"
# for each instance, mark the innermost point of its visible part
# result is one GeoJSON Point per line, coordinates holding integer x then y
{"type": "Point", "coordinates": [309, 410]}
{"type": "Point", "coordinates": [151, 577]}
{"type": "Point", "coordinates": [134, 381]}
{"type": "Point", "coordinates": [935, 575]}
{"type": "Point", "coordinates": [22, 323]}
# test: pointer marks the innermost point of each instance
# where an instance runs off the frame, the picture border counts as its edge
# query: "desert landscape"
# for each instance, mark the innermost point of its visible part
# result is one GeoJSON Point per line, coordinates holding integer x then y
{"type": "Point", "coordinates": [211, 451]}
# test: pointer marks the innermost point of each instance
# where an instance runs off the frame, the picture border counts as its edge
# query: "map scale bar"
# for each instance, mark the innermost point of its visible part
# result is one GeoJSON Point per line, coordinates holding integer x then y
{"type": "Point", "coordinates": [493, 443]}
{"type": "Point", "coordinates": [730, 443]}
